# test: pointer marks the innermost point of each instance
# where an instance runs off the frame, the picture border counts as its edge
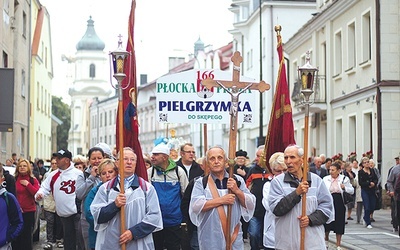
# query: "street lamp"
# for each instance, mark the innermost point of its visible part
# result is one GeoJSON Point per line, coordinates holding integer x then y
{"type": "Point", "coordinates": [118, 59]}
{"type": "Point", "coordinates": [307, 75]}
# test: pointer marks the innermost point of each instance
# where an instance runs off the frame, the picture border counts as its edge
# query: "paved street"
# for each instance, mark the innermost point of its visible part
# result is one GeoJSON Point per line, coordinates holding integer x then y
{"type": "Point", "coordinates": [356, 237]}
{"type": "Point", "coordinates": [380, 237]}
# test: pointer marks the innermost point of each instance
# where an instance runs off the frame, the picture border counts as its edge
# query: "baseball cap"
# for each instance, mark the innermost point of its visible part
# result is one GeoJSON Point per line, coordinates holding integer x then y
{"type": "Point", "coordinates": [396, 158]}
{"type": "Point", "coordinates": [63, 153]}
{"type": "Point", "coordinates": [161, 149]}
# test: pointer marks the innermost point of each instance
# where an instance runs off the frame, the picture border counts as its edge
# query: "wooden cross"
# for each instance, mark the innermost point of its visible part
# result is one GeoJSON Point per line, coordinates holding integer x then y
{"type": "Point", "coordinates": [234, 88]}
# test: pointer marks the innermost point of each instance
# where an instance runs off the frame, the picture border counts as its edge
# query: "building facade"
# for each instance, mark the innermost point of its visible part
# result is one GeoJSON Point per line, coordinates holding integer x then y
{"type": "Point", "coordinates": [40, 122]}
{"type": "Point", "coordinates": [355, 44]}
{"type": "Point", "coordinates": [15, 44]}
{"type": "Point", "coordinates": [255, 38]}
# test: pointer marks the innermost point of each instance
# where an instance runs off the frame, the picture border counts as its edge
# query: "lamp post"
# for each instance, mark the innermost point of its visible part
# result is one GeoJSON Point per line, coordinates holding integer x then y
{"type": "Point", "coordinates": [307, 75]}
{"type": "Point", "coordinates": [261, 139]}
{"type": "Point", "coordinates": [118, 61]}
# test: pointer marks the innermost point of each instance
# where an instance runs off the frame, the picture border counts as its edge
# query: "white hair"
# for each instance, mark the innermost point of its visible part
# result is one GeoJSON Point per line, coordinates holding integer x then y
{"type": "Point", "coordinates": [300, 150]}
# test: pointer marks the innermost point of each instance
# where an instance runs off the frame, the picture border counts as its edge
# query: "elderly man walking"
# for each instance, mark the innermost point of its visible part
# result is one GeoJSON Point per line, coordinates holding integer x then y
{"type": "Point", "coordinates": [285, 201]}
{"type": "Point", "coordinates": [142, 212]}
{"type": "Point", "coordinates": [210, 199]}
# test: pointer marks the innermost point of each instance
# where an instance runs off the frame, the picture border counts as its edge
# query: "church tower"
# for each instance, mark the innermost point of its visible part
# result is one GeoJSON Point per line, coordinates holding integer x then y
{"type": "Point", "coordinates": [91, 81]}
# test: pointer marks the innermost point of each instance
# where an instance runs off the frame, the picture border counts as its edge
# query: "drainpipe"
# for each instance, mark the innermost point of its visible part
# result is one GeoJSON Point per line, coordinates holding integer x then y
{"type": "Point", "coordinates": [378, 81]}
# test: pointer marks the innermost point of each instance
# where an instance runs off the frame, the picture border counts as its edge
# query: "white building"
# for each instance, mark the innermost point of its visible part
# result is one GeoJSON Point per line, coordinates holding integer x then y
{"type": "Point", "coordinates": [254, 36]}
{"type": "Point", "coordinates": [355, 44]}
{"type": "Point", "coordinates": [91, 80]}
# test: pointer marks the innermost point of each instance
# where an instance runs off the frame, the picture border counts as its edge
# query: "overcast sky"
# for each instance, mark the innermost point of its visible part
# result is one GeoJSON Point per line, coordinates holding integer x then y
{"type": "Point", "coordinates": [161, 28]}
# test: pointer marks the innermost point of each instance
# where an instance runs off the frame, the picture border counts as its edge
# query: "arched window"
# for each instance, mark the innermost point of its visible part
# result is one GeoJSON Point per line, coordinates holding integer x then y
{"type": "Point", "coordinates": [92, 72]}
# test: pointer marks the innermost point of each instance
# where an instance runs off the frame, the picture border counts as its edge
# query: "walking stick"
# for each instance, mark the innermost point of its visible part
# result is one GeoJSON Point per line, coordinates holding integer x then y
{"type": "Point", "coordinates": [305, 172]}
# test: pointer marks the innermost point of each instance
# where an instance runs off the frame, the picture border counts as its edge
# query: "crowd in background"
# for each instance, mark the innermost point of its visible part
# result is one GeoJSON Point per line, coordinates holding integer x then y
{"type": "Point", "coordinates": [176, 190]}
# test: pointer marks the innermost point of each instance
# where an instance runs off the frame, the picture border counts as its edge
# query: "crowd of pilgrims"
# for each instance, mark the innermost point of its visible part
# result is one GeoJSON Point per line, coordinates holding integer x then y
{"type": "Point", "coordinates": [179, 207]}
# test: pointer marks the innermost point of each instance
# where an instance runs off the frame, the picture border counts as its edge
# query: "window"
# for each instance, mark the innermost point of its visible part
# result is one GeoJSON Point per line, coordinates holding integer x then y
{"type": "Point", "coordinates": [352, 133]}
{"type": "Point", "coordinates": [101, 121]}
{"type": "Point", "coordinates": [366, 37]}
{"type": "Point", "coordinates": [6, 6]}
{"type": "Point", "coordinates": [338, 136]}
{"type": "Point", "coordinates": [110, 117]}
{"type": "Point", "coordinates": [3, 141]}
{"type": "Point", "coordinates": [45, 57]}
{"type": "Point", "coordinates": [24, 24]}
{"type": "Point", "coordinates": [367, 135]}
{"type": "Point", "coordinates": [49, 104]}
{"type": "Point", "coordinates": [351, 46]}
{"type": "Point", "coordinates": [250, 59]}
{"type": "Point", "coordinates": [42, 50]}
{"type": "Point", "coordinates": [22, 140]}
{"type": "Point", "coordinates": [45, 102]}
{"type": "Point", "coordinates": [105, 118]}
{"type": "Point", "coordinates": [338, 53]}
{"type": "Point", "coordinates": [5, 60]}
{"type": "Point", "coordinates": [41, 97]}
{"type": "Point", "coordinates": [37, 96]}
{"type": "Point", "coordinates": [263, 46]}
{"type": "Point", "coordinates": [92, 71]}
{"type": "Point", "coordinates": [23, 79]}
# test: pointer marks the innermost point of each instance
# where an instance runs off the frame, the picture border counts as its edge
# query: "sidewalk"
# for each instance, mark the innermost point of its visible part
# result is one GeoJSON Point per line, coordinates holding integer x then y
{"type": "Point", "coordinates": [358, 237]}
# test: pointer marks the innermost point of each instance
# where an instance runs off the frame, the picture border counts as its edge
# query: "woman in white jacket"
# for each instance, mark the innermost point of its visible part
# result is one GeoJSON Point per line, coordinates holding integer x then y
{"type": "Point", "coordinates": [337, 184]}
{"type": "Point", "coordinates": [278, 166]}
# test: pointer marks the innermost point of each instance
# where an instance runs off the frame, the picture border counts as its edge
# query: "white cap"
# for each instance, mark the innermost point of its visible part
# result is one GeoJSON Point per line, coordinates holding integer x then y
{"type": "Point", "coordinates": [106, 149]}
{"type": "Point", "coordinates": [161, 149]}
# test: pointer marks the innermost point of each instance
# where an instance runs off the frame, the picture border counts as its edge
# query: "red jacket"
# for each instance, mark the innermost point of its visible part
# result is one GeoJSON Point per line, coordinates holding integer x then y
{"type": "Point", "coordinates": [26, 195]}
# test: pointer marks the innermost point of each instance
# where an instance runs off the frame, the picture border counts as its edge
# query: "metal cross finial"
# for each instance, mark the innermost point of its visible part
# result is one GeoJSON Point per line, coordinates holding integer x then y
{"type": "Point", "coordinates": [120, 41]}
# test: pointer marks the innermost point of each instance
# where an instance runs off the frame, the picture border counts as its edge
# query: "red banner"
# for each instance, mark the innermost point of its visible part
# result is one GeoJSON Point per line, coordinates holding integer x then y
{"type": "Point", "coordinates": [129, 102]}
{"type": "Point", "coordinates": [280, 128]}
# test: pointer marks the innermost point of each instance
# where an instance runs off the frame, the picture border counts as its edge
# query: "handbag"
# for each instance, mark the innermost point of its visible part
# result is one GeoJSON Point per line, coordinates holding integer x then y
{"type": "Point", "coordinates": [347, 198]}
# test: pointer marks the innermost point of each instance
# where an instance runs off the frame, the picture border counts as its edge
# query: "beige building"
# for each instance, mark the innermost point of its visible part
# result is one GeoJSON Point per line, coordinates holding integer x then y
{"type": "Point", "coordinates": [15, 44]}
{"type": "Point", "coordinates": [40, 136]}
{"type": "Point", "coordinates": [355, 44]}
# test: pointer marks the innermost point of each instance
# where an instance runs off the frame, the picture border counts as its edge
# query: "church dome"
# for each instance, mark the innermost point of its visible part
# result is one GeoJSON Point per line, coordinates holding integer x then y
{"type": "Point", "coordinates": [90, 41]}
{"type": "Point", "coordinates": [198, 46]}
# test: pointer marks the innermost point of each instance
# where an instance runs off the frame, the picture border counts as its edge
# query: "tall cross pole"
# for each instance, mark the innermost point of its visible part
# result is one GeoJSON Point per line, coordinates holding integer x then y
{"type": "Point", "coordinates": [234, 88]}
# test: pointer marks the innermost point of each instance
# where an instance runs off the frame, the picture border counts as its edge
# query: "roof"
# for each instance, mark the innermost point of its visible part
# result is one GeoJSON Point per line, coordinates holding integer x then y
{"type": "Point", "coordinates": [90, 40]}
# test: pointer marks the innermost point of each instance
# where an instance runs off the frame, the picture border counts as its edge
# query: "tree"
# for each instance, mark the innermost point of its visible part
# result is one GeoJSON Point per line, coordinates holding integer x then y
{"type": "Point", "coordinates": [62, 112]}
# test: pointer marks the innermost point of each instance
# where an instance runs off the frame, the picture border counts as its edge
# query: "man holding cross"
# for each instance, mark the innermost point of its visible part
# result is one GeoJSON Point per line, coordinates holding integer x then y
{"type": "Point", "coordinates": [210, 199]}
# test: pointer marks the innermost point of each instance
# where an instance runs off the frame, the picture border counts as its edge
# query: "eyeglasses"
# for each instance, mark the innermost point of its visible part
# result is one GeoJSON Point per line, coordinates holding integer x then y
{"type": "Point", "coordinates": [189, 152]}
{"type": "Point", "coordinates": [129, 159]}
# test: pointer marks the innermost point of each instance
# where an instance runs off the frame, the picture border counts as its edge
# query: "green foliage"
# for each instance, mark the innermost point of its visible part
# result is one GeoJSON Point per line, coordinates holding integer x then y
{"type": "Point", "coordinates": [62, 112]}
